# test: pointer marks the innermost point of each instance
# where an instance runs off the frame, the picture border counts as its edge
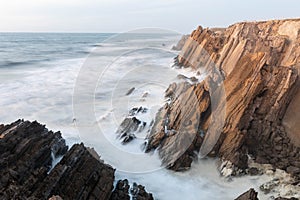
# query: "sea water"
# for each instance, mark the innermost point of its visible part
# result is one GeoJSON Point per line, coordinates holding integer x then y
{"type": "Point", "coordinates": [77, 84]}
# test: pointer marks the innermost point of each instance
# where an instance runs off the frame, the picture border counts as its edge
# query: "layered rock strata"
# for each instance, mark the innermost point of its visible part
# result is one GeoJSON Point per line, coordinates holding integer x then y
{"type": "Point", "coordinates": [254, 66]}
{"type": "Point", "coordinates": [131, 125]}
{"type": "Point", "coordinates": [123, 189]}
{"type": "Point", "coordinates": [27, 151]}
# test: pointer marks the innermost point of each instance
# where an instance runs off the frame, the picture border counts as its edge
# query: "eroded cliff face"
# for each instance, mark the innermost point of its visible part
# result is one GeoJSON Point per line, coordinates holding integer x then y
{"type": "Point", "coordinates": [252, 69]}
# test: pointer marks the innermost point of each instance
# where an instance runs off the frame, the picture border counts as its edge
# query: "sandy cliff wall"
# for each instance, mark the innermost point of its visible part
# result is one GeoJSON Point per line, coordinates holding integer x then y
{"type": "Point", "coordinates": [257, 64]}
{"type": "Point", "coordinates": [279, 40]}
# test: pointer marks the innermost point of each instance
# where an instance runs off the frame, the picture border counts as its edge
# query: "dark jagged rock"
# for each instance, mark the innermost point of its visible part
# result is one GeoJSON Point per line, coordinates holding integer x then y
{"type": "Point", "coordinates": [138, 192]}
{"type": "Point", "coordinates": [26, 158]}
{"type": "Point", "coordinates": [26, 151]}
{"type": "Point", "coordinates": [249, 195]}
{"type": "Point", "coordinates": [122, 189]}
{"type": "Point", "coordinates": [79, 175]}
{"type": "Point", "coordinates": [130, 91]}
{"type": "Point", "coordinates": [253, 171]}
{"type": "Point", "coordinates": [127, 129]}
{"type": "Point", "coordinates": [137, 110]}
{"type": "Point", "coordinates": [131, 125]}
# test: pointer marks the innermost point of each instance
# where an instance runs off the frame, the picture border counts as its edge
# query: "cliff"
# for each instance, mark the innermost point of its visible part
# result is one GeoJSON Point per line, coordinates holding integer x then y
{"type": "Point", "coordinates": [246, 105]}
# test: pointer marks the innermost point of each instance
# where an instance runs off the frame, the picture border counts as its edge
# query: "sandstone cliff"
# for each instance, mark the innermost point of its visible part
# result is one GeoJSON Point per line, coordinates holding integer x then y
{"type": "Point", "coordinates": [247, 104]}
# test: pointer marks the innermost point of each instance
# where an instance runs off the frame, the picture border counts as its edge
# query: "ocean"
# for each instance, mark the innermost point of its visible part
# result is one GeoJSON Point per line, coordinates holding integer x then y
{"type": "Point", "coordinates": [76, 83]}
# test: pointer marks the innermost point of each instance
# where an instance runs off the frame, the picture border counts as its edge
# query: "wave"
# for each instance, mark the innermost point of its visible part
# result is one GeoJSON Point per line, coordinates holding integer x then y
{"type": "Point", "coordinates": [11, 64]}
{"type": "Point", "coordinates": [5, 64]}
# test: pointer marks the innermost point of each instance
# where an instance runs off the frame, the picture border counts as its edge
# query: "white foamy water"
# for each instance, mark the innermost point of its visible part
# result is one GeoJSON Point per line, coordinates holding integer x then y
{"type": "Point", "coordinates": [43, 91]}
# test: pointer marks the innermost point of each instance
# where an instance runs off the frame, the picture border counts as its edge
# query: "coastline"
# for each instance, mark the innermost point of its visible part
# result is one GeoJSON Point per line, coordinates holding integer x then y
{"type": "Point", "coordinates": [255, 130]}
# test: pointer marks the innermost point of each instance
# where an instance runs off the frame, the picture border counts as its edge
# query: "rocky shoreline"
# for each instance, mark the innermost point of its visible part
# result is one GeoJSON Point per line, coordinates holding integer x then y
{"type": "Point", "coordinates": [27, 152]}
{"type": "Point", "coordinates": [244, 112]}
{"type": "Point", "coordinates": [245, 109]}
{"type": "Point", "coordinates": [256, 65]}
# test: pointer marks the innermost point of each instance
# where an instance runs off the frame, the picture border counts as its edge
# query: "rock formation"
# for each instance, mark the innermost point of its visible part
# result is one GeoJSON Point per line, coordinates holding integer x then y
{"type": "Point", "coordinates": [122, 190]}
{"type": "Point", "coordinates": [25, 157]}
{"type": "Point", "coordinates": [252, 195]}
{"type": "Point", "coordinates": [27, 150]}
{"type": "Point", "coordinates": [249, 195]}
{"type": "Point", "coordinates": [177, 135]}
{"type": "Point", "coordinates": [245, 105]}
{"type": "Point", "coordinates": [131, 125]}
{"type": "Point", "coordinates": [79, 175]}
{"type": "Point", "coordinates": [181, 43]}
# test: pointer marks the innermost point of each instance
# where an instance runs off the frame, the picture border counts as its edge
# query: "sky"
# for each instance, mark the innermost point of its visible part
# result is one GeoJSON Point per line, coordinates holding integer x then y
{"type": "Point", "coordinates": [124, 15]}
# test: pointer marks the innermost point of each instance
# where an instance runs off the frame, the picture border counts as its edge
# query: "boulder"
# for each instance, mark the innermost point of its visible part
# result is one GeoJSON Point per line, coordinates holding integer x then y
{"type": "Point", "coordinates": [131, 125]}
{"type": "Point", "coordinates": [249, 195]}
{"type": "Point", "coordinates": [122, 190]}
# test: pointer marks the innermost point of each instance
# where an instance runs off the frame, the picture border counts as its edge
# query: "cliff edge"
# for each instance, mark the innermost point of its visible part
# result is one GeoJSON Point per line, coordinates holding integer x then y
{"type": "Point", "coordinates": [246, 105]}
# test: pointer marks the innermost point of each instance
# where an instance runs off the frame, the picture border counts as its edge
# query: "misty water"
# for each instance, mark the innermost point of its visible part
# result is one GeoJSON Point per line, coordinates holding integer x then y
{"type": "Point", "coordinates": [77, 84]}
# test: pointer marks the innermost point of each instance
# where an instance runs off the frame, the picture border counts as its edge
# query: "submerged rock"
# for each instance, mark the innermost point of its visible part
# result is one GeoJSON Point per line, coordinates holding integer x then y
{"type": "Point", "coordinates": [131, 125]}
{"type": "Point", "coordinates": [122, 190]}
{"type": "Point", "coordinates": [130, 91]}
{"type": "Point", "coordinates": [249, 195]}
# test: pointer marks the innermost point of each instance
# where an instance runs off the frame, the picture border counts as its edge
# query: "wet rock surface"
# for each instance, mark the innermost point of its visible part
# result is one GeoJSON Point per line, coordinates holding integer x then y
{"type": "Point", "coordinates": [256, 65]}
{"type": "Point", "coordinates": [123, 189]}
{"type": "Point", "coordinates": [131, 125]}
{"type": "Point", "coordinates": [176, 128]}
{"type": "Point", "coordinates": [79, 175]}
{"type": "Point", "coordinates": [27, 152]}
{"type": "Point", "coordinates": [25, 157]}
{"type": "Point", "coordinates": [249, 195]}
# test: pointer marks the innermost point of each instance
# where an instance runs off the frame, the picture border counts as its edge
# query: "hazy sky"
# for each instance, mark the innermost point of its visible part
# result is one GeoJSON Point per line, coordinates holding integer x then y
{"type": "Point", "coordinates": [124, 15]}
